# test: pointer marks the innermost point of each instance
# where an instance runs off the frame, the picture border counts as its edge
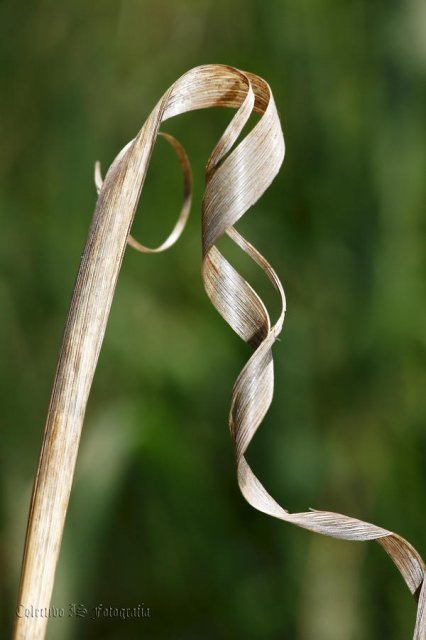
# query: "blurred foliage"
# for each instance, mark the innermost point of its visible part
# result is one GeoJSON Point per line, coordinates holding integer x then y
{"type": "Point", "coordinates": [155, 514]}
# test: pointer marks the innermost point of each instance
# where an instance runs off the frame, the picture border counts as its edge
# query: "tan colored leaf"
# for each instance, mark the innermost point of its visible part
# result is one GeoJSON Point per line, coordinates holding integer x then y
{"type": "Point", "coordinates": [236, 177]}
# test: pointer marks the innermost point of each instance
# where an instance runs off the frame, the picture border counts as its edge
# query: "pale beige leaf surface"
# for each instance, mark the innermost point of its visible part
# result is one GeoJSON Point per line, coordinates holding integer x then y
{"type": "Point", "coordinates": [235, 179]}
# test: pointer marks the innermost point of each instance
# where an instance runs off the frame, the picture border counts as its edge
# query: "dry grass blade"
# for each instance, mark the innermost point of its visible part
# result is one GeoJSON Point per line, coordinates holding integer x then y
{"type": "Point", "coordinates": [235, 181]}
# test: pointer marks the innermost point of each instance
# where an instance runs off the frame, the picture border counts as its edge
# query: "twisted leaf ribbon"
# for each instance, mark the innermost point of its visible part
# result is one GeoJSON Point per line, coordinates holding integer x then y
{"type": "Point", "coordinates": [235, 179]}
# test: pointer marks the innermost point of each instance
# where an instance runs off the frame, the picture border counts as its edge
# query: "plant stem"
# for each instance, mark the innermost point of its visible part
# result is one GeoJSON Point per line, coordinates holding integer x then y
{"type": "Point", "coordinates": [83, 336]}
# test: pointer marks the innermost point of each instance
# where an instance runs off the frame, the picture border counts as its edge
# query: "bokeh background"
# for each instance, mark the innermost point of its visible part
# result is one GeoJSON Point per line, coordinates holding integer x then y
{"type": "Point", "coordinates": [155, 515]}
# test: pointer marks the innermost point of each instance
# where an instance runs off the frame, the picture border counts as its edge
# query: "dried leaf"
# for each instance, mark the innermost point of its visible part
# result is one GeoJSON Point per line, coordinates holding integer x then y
{"type": "Point", "coordinates": [235, 179]}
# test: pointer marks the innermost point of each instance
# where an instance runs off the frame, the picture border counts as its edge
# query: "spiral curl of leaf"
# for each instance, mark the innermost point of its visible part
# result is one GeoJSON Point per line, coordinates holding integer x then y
{"type": "Point", "coordinates": [235, 179]}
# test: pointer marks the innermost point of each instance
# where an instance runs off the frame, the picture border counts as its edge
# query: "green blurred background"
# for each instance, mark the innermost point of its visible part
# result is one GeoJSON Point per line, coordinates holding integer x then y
{"type": "Point", "coordinates": [155, 514]}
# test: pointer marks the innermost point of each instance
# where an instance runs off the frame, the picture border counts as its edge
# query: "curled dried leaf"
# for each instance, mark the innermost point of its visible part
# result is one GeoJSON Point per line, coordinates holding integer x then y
{"type": "Point", "coordinates": [236, 177]}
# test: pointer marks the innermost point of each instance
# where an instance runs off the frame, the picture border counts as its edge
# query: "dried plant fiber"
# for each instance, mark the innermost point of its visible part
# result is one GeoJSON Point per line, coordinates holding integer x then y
{"type": "Point", "coordinates": [236, 177]}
